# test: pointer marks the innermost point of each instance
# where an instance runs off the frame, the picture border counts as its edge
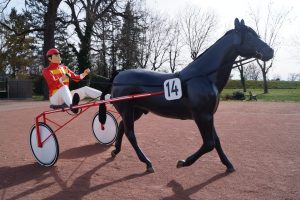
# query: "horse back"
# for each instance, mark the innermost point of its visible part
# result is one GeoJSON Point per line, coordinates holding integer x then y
{"type": "Point", "coordinates": [141, 81]}
{"type": "Point", "coordinates": [139, 77]}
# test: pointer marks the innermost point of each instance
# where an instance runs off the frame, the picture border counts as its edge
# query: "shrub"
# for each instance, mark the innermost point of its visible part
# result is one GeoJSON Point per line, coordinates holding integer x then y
{"type": "Point", "coordinates": [236, 95]}
{"type": "Point", "coordinates": [37, 84]}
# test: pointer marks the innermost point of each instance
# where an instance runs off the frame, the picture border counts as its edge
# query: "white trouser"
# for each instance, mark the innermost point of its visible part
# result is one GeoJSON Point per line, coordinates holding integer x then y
{"type": "Point", "coordinates": [64, 95]}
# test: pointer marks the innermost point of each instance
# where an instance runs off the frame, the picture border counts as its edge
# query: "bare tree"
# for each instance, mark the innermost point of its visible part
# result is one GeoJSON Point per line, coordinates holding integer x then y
{"type": "Point", "coordinates": [252, 72]}
{"type": "Point", "coordinates": [159, 31]}
{"type": "Point", "coordinates": [269, 28]}
{"type": "Point", "coordinates": [3, 5]}
{"type": "Point", "coordinates": [294, 77]}
{"type": "Point", "coordinates": [197, 28]}
{"type": "Point", "coordinates": [175, 45]}
{"type": "Point", "coordinates": [145, 44]}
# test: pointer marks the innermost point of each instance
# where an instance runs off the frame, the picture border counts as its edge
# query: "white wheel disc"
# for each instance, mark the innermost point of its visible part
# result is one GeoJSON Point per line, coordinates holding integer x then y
{"type": "Point", "coordinates": [109, 134]}
{"type": "Point", "coordinates": [46, 155]}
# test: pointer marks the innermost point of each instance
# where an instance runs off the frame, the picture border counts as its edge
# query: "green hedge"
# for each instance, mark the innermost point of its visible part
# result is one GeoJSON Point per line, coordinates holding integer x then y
{"type": "Point", "coordinates": [37, 84]}
{"type": "Point", "coordinates": [236, 84]}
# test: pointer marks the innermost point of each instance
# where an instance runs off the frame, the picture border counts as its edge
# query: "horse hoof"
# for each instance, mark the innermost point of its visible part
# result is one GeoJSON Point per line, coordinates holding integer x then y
{"type": "Point", "coordinates": [113, 154]}
{"type": "Point", "coordinates": [180, 163]}
{"type": "Point", "coordinates": [230, 170]}
{"type": "Point", "coordinates": [150, 170]}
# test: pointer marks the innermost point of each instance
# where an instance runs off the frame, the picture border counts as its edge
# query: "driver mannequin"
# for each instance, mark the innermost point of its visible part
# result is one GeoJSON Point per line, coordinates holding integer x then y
{"type": "Point", "coordinates": [57, 77]}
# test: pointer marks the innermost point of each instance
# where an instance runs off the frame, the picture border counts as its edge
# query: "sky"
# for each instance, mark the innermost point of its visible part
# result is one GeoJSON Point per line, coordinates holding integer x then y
{"type": "Point", "coordinates": [287, 59]}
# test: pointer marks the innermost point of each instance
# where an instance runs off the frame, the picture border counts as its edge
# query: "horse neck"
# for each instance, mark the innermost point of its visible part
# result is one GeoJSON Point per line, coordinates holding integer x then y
{"type": "Point", "coordinates": [216, 63]}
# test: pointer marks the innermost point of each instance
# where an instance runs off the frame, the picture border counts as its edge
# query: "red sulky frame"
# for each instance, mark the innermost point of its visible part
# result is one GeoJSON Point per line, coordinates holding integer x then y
{"type": "Point", "coordinates": [84, 107]}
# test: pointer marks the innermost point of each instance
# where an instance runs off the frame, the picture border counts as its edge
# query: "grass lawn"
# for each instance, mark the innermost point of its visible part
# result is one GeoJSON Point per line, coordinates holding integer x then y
{"type": "Point", "coordinates": [273, 95]}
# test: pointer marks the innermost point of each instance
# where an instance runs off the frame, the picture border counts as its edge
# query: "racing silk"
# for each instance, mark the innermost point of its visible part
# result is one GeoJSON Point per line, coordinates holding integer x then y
{"type": "Point", "coordinates": [54, 72]}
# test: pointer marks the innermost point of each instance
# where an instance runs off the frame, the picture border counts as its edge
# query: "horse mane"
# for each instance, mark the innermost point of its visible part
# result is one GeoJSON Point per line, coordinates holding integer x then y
{"type": "Point", "coordinates": [214, 43]}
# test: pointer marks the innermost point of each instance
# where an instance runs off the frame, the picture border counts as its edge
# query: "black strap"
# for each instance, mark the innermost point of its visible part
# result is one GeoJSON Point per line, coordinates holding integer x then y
{"type": "Point", "coordinates": [62, 106]}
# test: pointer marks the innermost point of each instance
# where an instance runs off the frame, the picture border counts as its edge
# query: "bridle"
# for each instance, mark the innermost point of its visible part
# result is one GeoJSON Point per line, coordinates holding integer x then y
{"type": "Point", "coordinates": [239, 63]}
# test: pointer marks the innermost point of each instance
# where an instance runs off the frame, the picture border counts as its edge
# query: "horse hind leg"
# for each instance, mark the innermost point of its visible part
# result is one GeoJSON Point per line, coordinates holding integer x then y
{"type": "Point", "coordinates": [118, 142]}
{"type": "Point", "coordinates": [121, 131]}
{"type": "Point", "coordinates": [129, 116]}
{"type": "Point", "coordinates": [221, 153]}
{"type": "Point", "coordinates": [205, 125]}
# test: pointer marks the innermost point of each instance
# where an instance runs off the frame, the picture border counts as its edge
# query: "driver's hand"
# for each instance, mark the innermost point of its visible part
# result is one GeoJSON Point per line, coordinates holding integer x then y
{"type": "Point", "coordinates": [87, 71]}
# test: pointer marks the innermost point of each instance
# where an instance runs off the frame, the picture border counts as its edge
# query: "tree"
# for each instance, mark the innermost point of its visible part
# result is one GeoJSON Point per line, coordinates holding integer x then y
{"type": "Point", "coordinates": [197, 28]}
{"type": "Point", "coordinates": [128, 40]}
{"type": "Point", "coordinates": [83, 26]}
{"type": "Point", "coordinates": [252, 72]}
{"type": "Point", "coordinates": [17, 50]}
{"type": "Point", "coordinates": [3, 46]}
{"type": "Point", "coordinates": [268, 28]}
{"type": "Point", "coordinates": [145, 43]}
{"type": "Point", "coordinates": [44, 17]}
{"type": "Point", "coordinates": [3, 5]}
{"type": "Point", "coordinates": [175, 46]}
{"type": "Point", "coordinates": [294, 77]}
{"type": "Point", "coordinates": [158, 31]}
{"type": "Point", "coordinates": [102, 35]}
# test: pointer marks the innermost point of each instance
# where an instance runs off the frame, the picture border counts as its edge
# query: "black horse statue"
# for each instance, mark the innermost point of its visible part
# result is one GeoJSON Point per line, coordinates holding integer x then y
{"type": "Point", "coordinates": [202, 81]}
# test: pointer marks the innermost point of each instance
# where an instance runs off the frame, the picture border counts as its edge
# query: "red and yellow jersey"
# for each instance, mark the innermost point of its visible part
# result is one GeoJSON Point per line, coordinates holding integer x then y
{"type": "Point", "coordinates": [54, 72]}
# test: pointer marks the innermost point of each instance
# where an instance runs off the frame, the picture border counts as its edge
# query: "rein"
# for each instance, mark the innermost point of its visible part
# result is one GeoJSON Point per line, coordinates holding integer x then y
{"type": "Point", "coordinates": [239, 63]}
{"type": "Point", "coordinates": [235, 63]}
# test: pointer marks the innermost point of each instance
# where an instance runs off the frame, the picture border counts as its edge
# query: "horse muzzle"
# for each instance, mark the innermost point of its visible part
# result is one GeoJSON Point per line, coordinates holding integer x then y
{"type": "Point", "coordinates": [266, 54]}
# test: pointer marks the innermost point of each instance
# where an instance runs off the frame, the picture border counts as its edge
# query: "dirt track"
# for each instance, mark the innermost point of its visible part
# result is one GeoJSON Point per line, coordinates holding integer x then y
{"type": "Point", "coordinates": [262, 140]}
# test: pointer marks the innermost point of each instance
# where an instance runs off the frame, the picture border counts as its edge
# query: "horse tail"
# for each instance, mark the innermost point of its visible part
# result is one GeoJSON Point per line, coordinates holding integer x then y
{"type": "Point", "coordinates": [102, 106]}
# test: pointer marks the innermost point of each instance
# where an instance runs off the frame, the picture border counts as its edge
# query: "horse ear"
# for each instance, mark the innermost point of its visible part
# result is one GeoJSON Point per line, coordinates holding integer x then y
{"type": "Point", "coordinates": [236, 23]}
{"type": "Point", "coordinates": [242, 22]}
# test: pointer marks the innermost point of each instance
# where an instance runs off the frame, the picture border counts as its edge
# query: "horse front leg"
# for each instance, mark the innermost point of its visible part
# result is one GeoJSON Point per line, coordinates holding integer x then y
{"type": "Point", "coordinates": [205, 126]}
{"type": "Point", "coordinates": [221, 153]}
{"type": "Point", "coordinates": [128, 119]}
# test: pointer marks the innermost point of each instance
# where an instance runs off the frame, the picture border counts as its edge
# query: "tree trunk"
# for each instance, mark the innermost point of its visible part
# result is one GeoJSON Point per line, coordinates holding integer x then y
{"type": "Point", "coordinates": [113, 57]}
{"type": "Point", "coordinates": [49, 24]}
{"type": "Point", "coordinates": [266, 90]}
{"type": "Point", "coordinates": [243, 83]}
{"type": "Point", "coordinates": [49, 42]}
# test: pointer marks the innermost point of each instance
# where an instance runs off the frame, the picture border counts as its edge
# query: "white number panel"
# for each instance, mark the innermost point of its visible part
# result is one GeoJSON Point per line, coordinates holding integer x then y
{"type": "Point", "coordinates": [172, 89]}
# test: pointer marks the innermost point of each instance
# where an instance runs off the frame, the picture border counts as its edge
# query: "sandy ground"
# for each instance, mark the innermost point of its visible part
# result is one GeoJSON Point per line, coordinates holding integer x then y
{"type": "Point", "coordinates": [262, 140]}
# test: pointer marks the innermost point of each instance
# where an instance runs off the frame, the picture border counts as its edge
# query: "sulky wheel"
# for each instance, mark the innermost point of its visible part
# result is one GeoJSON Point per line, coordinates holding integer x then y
{"type": "Point", "coordinates": [46, 155]}
{"type": "Point", "coordinates": [109, 133]}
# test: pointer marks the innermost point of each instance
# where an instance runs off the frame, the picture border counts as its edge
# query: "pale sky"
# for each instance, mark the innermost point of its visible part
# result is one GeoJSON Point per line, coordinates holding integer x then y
{"type": "Point", "coordinates": [288, 57]}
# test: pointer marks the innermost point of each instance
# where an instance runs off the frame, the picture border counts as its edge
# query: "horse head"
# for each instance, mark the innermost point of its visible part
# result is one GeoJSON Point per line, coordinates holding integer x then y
{"type": "Point", "coordinates": [250, 44]}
